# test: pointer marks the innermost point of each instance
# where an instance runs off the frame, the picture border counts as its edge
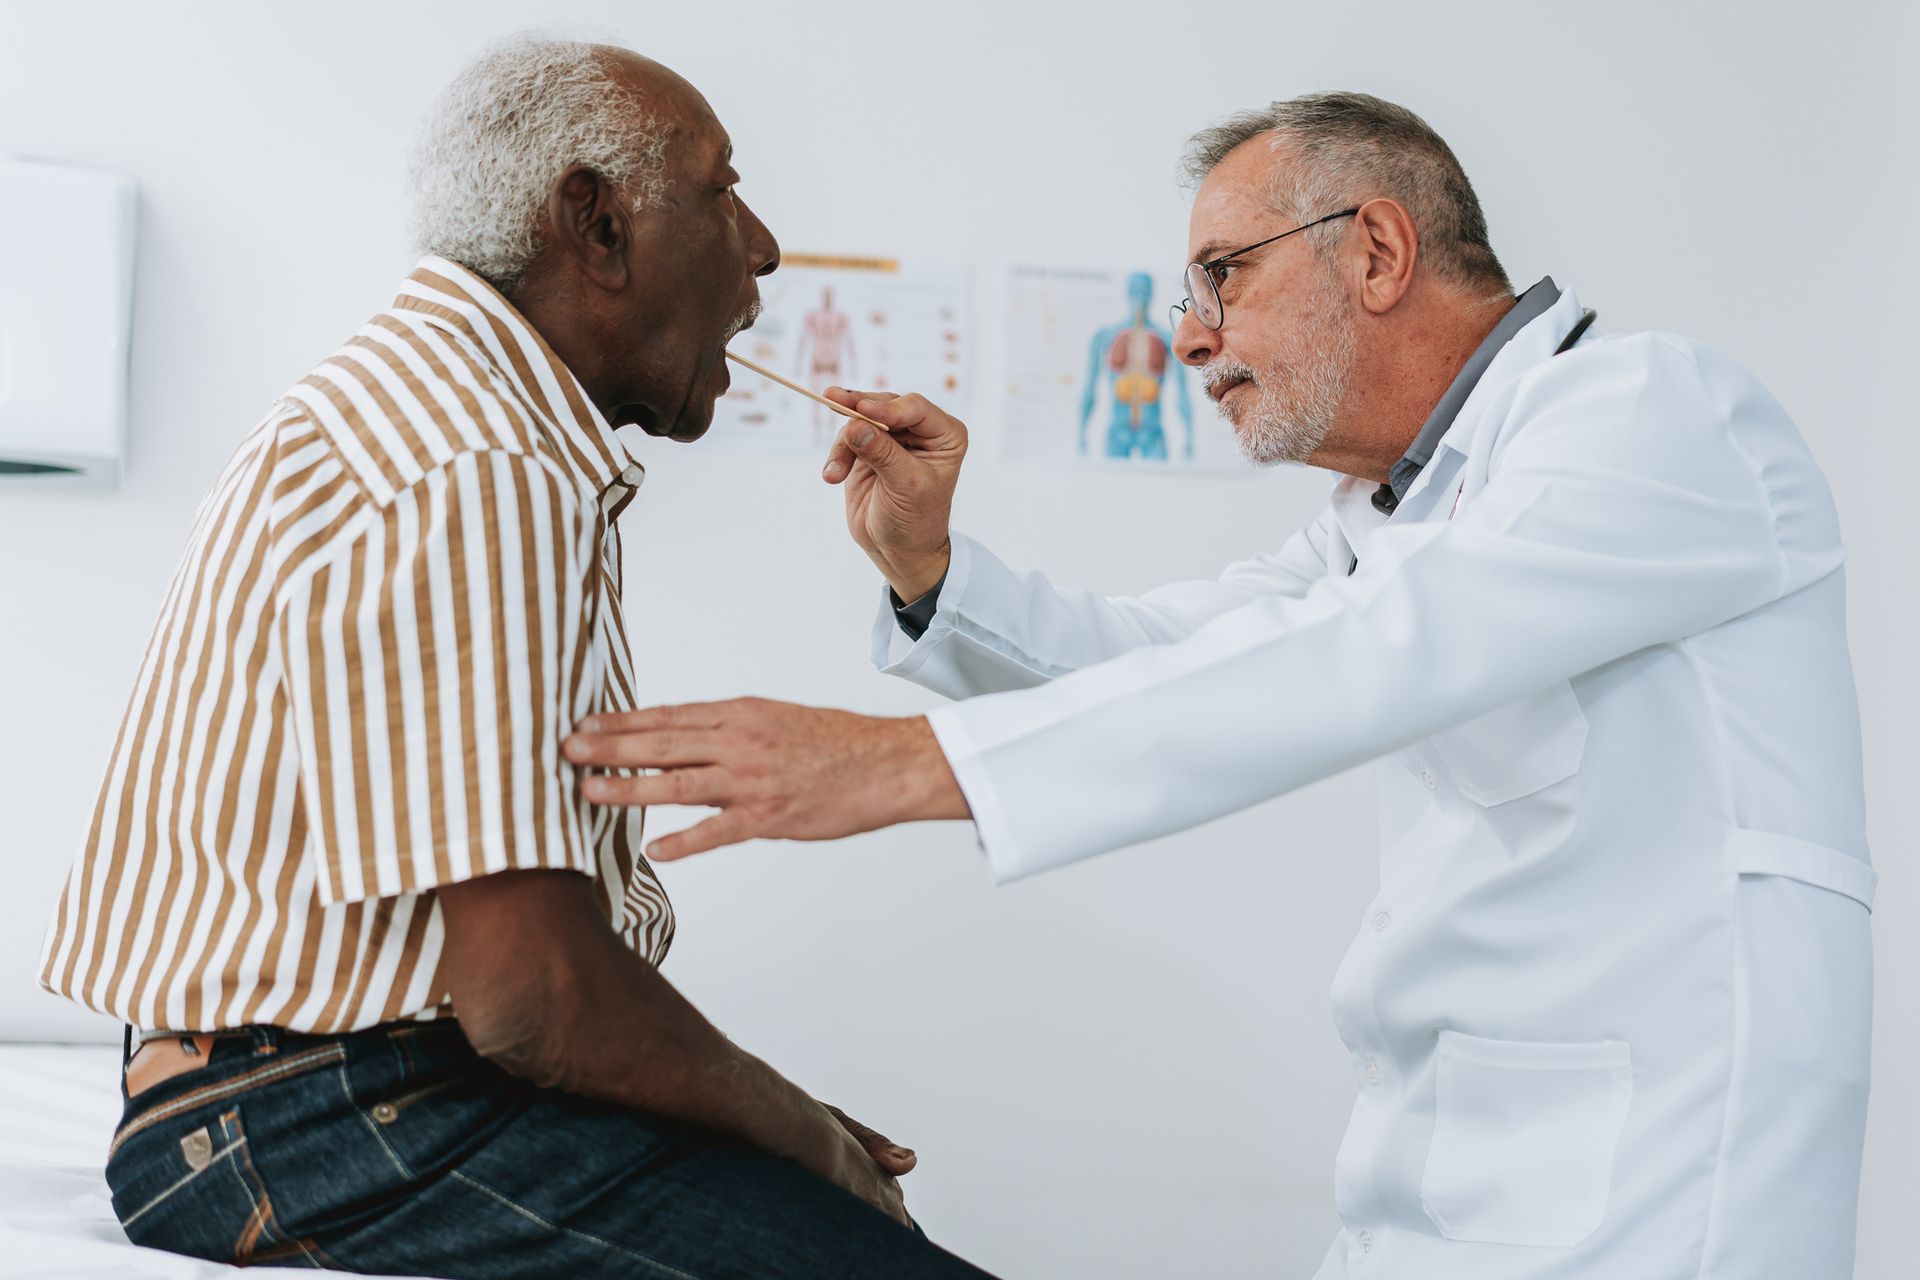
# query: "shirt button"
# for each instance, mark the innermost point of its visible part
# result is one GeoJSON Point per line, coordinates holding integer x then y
{"type": "Point", "coordinates": [1381, 921]}
{"type": "Point", "coordinates": [634, 476]}
{"type": "Point", "coordinates": [1373, 1071]}
{"type": "Point", "coordinates": [1426, 776]}
{"type": "Point", "coordinates": [1366, 1241]}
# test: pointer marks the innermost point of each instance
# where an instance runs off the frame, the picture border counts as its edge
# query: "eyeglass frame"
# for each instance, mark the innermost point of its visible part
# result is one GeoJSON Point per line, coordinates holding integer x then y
{"type": "Point", "coordinates": [1179, 308]}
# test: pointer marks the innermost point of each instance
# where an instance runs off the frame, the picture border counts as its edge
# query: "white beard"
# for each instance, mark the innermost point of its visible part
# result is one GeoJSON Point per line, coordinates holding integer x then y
{"type": "Point", "coordinates": [1301, 390]}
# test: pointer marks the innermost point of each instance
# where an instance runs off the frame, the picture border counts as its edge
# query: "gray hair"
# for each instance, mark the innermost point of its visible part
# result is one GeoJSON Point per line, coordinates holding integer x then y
{"type": "Point", "coordinates": [1348, 148]}
{"type": "Point", "coordinates": [500, 135]}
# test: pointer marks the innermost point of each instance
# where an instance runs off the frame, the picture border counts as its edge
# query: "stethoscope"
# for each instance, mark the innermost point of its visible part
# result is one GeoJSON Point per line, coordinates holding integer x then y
{"type": "Point", "coordinates": [1587, 318]}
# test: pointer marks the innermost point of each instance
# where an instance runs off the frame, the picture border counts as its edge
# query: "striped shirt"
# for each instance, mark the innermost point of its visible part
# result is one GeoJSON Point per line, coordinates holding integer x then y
{"type": "Point", "coordinates": [401, 594]}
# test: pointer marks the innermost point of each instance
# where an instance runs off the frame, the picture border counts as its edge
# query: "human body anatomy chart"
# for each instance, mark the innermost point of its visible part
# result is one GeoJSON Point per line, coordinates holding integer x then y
{"type": "Point", "coordinates": [1091, 376]}
{"type": "Point", "coordinates": [873, 324]}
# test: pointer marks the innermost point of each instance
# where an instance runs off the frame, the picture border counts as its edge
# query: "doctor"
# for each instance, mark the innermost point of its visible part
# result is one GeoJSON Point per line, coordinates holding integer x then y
{"type": "Point", "coordinates": [1578, 596]}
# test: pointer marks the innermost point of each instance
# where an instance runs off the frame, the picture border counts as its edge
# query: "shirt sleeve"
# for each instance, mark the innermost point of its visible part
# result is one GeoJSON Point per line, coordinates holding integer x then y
{"type": "Point", "coordinates": [991, 628]}
{"type": "Point", "coordinates": [915, 618]}
{"type": "Point", "coordinates": [435, 655]}
{"type": "Point", "coordinates": [1632, 502]}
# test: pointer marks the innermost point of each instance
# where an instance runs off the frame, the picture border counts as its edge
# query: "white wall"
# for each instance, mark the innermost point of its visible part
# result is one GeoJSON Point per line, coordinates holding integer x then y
{"type": "Point", "coordinates": [1125, 1069]}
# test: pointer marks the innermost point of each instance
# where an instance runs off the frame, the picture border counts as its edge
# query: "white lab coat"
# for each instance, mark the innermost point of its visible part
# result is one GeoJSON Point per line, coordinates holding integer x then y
{"type": "Point", "coordinates": [1609, 1012]}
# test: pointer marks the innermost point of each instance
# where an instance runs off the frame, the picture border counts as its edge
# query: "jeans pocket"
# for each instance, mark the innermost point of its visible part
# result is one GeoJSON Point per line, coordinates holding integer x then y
{"type": "Point", "coordinates": [190, 1188]}
{"type": "Point", "coordinates": [165, 1105]}
{"type": "Point", "coordinates": [156, 1175]}
{"type": "Point", "coordinates": [1524, 1136]}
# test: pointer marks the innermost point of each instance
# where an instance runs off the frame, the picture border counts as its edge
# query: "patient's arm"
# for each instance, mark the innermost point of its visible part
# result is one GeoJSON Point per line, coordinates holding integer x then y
{"type": "Point", "coordinates": [544, 988]}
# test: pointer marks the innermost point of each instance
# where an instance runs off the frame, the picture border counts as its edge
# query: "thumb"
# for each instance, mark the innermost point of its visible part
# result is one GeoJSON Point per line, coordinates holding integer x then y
{"type": "Point", "coordinates": [877, 448]}
{"type": "Point", "coordinates": [888, 1154]}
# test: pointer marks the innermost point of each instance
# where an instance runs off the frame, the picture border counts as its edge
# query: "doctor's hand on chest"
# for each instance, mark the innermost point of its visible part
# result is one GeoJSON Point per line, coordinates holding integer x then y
{"type": "Point", "coordinates": [773, 769]}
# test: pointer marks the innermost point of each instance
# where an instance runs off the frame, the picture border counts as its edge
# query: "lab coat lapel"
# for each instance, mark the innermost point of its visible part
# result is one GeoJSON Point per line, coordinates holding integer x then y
{"type": "Point", "coordinates": [1459, 465]}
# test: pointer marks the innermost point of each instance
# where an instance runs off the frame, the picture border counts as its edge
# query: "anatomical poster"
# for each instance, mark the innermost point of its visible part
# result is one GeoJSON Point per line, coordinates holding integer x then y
{"type": "Point", "coordinates": [872, 324]}
{"type": "Point", "coordinates": [1091, 377]}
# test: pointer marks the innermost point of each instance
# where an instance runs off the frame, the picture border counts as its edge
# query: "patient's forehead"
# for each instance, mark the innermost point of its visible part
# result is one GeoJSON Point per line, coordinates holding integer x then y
{"type": "Point", "coordinates": [672, 99]}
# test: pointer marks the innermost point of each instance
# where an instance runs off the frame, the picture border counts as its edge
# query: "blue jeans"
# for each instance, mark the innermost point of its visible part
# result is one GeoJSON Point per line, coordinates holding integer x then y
{"type": "Point", "coordinates": [399, 1150]}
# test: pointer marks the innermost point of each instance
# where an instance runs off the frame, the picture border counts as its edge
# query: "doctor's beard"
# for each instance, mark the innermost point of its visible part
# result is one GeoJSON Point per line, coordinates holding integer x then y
{"type": "Point", "coordinates": [1300, 390]}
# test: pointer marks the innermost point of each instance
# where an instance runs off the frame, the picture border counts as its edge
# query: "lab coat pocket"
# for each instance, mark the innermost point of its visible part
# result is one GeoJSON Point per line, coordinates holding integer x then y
{"type": "Point", "coordinates": [1524, 1137]}
{"type": "Point", "coordinates": [1517, 749]}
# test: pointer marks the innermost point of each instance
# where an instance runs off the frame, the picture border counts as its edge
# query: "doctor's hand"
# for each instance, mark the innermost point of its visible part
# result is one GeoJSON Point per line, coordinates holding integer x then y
{"type": "Point", "coordinates": [899, 484]}
{"type": "Point", "coordinates": [773, 769]}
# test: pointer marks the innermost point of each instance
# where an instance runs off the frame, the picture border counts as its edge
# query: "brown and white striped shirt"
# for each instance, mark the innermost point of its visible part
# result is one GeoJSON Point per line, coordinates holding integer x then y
{"type": "Point", "coordinates": [400, 596]}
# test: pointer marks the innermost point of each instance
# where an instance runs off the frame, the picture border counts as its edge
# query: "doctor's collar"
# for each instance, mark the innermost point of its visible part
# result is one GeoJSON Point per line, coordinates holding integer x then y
{"type": "Point", "coordinates": [1527, 308]}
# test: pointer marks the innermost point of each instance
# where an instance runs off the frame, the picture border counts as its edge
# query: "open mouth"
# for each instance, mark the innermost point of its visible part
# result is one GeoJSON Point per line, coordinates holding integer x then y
{"type": "Point", "coordinates": [742, 322]}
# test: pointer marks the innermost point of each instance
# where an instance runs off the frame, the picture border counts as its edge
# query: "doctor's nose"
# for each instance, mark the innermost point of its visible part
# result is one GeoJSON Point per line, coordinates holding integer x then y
{"type": "Point", "coordinates": [1193, 343]}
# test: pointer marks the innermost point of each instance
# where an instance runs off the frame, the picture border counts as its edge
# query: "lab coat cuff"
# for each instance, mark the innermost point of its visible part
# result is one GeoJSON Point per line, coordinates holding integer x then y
{"type": "Point", "coordinates": [892, 650]}
{"type": "Point", "coordinates": [976, 784]}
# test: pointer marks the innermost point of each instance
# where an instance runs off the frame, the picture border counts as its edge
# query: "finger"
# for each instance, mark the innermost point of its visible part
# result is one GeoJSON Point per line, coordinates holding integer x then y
{"type": "Point", "coordinates": [913, 413]}
{"type": "Point", "coordinates": [687, 715]}
{"type": "Point", "coordinates": [704, 785]}
{"type": "Point", "coordinates": [717, 832]}
{"type": "Point", "coordinates": [896, 1160]}
{"type": "Point", "coordinates": [840, 460]}
{"type": "Point", "coordinates": [875, 448]}
{"type": "Point", "coordinates": [644, 748]}
{"type": "Point", "coordinates": [886, 1153]}
{"type": "Point", "coordinates": [847, 399]}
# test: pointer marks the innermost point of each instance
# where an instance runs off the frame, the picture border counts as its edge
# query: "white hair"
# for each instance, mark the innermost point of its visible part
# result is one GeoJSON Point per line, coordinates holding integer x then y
{"type": "Point", "coordinates": [500, 135]}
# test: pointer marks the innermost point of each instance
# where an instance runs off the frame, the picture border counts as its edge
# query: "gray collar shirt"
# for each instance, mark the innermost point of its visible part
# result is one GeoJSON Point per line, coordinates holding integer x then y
{"type": "Point", "coordinates": [1531, 305]}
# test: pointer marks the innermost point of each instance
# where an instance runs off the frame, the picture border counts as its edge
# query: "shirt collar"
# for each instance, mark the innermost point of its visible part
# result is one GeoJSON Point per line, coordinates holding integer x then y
{"type": "Point", "coordinates": [1531, 305]}
{"type": "Point", "coordinates": [583, 439]}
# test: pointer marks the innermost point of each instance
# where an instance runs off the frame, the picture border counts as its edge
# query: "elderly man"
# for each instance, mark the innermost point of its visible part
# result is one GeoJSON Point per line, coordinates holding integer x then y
{"type": "Point", "coordinates": [1581, 598]}
{"type": "Point", "coordinates": [396, 980]}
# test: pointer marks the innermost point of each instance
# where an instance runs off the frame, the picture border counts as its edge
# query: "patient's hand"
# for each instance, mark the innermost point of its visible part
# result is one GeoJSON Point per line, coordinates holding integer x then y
{"type": "Point", "coordinates": [888, 1154]}
{"type": "Point", "coordinates": [854, 1168]}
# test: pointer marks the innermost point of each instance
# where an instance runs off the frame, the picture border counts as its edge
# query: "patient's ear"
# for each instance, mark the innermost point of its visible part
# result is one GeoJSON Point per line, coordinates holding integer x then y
{"type": "Point", "coordinates": [592, 226]}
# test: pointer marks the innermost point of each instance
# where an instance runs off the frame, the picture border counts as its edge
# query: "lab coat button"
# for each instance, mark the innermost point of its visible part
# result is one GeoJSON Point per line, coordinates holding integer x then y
{"type": "Point", "coordinates": [1373, 1071]}
{"type": "Point", "coordinates": [1366, 1241]}
{"type": "Point", "coordinates": [1381, 921]}
{"type": "Point", "coordinates": [1426, 776]}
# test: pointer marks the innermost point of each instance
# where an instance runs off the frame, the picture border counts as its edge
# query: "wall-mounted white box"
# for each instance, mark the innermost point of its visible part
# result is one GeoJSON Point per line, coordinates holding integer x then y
{"type": "Point", "coordinates": [66, 312]}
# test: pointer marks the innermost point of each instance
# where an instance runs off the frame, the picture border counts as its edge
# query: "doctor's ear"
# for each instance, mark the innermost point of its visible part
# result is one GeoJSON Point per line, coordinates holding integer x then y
{"type": "Point", "coordinates": [592, 226]}
{"type": "Point", "coordinates": [1391, 246]}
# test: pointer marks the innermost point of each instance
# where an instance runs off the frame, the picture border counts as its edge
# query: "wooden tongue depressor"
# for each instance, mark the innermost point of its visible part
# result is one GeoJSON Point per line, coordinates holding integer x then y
{"type": "Point", "coordinates": [769, 374]}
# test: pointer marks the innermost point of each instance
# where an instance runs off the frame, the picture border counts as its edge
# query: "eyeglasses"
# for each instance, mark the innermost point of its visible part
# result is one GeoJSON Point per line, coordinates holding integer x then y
{"type": "Point", "coordinates": [1203, 286]}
